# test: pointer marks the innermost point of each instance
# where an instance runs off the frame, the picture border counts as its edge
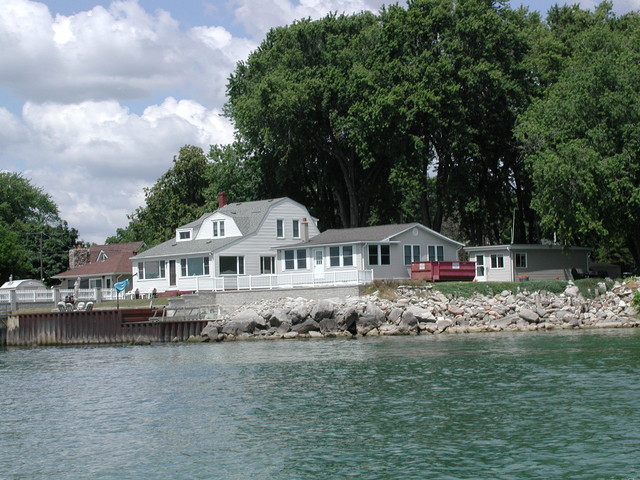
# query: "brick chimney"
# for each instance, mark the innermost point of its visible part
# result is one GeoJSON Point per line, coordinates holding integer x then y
{"type": "Point", "coordinates": [222, 199]}
{"type": "Point", "coordinates": [305, 230]}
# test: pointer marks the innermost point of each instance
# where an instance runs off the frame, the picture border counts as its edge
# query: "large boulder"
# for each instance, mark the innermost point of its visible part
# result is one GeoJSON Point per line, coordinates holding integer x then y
{"type": "Point", "coordinates": [376, 311]}
{"type": "Point", "coordinates": [306, 327]}
{"type": "Point", "coordinates": [244, 322]}
{"type": "Point", "coordinates": [394, 315]}
{"type": "Point", "coordinates": [422, 314]}
{"type": "Point", "coordinates": [328, 326]}
{"type": "Point", "coordinates": [408, 322]}
{"type": "Point", "coordinates": [504, 322]}
{"type": "Point", "coordinates": [366, 323]}
{"type": "Point", "coordinates": [529, 315]}
{"type": "Point", "coordinates": [322, 309]}
{"type": "Point", "coordinates": [278, 316]}
{"type": "Point", "coordinates": [348, 320]}
{"type": "Point", "coordinates": [299, 312]}
{"type": "Point", "coordinates": [210, 331]}
{"type": "Point", "coordinates": [442, 324]}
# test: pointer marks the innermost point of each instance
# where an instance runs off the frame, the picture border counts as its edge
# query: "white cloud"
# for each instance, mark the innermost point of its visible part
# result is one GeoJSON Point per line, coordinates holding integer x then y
{"type": "Point", "coordinates": [95, 158]}
{"type": "Point", "coordinates": [119, 52]}
{"type": "Point", "coordinates": [258, 18]}
{"type": "Point", "coordinates": [74, 76]}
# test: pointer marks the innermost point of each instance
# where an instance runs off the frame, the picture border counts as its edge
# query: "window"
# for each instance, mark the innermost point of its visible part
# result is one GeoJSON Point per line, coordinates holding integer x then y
{"type": "Point", "coordinates": [411, 254]}
{"type": "Point", "coordinates": [231, 265]}
{"type": "Point", "coordinates": [193, 267]}
{"type": "Point", "coordinates": [150, 270]}
{"type": "Point", "coordinates": [347, 256]}
{"type": "Point", "coordinates": [280, 228]}
{"type": "Point", "coordinates": [497, 261]}
{"type": "Point", "coordinates": [218, 228]}
{"type": "Point", "coordinates": [435, 253]}
{"type": "Point", "coordinates": [295, 259]}
{"type": "Point", "coordinates": [521, 260]}
{"type": "Point", "coordinates": [379, 255]}
{"type": "Point", "coordinates": [184, 235]}
{"type": "Point", "coordinates": [341, 256]}
{"type": "Point", "coordinates": [479, 265]}
{"type": "Point", "coordinates": [296, 228]}
{"type": "Point", "coordinates": [334, 256]}
{"type": "Point", "coordinates": [95, 283]}
{"type": "Point", "coordinates": [267, 265]}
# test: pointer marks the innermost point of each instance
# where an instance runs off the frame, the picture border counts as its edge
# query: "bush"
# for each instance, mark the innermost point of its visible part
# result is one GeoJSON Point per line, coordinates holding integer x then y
{"type": "Point", "coordinates": [635, 303]}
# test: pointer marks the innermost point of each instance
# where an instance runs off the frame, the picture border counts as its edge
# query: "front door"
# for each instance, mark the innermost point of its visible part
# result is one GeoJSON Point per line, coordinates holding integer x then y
{"type": "Point", "coordinates": [172, 273]}
{"type": "Point", "coordinates": [318, 262]}
{"type": "Point", "coordinates": [481, 273]}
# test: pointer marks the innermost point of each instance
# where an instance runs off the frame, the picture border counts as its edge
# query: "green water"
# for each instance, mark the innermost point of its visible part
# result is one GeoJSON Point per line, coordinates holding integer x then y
{"type": "Point", "coordinates": [555, 405]}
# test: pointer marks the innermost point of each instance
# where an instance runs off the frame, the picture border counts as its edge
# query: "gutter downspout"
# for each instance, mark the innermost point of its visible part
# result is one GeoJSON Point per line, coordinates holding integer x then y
{"type": "Point", "coordinates": [512, 264]}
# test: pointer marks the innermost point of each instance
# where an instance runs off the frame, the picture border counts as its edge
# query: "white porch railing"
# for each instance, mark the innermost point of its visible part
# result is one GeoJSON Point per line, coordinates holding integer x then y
{"type": "Point", "coordinates": [48, 295]}
{"type": "Point", "coordinates": [289, 280]}
{"type": "Point", "coordinates": [196, 284]}
{"type": "Point", "coordinates": [201, 283]}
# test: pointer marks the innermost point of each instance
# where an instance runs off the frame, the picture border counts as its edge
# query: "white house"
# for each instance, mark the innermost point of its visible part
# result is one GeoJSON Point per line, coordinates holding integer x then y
{"type": "Point", "coordinates": [510, 263]}
{"type": "Point", "coordinates": [386, 250]}
{"type": "Point", "coordinates": [220, 248]}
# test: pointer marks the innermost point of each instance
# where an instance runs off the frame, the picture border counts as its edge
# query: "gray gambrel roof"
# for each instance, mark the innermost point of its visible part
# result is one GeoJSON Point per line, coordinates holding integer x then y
{"type": "Point", "coordinates": [380, 233]}
{"type": "Point", "coordinates": [248, 216]}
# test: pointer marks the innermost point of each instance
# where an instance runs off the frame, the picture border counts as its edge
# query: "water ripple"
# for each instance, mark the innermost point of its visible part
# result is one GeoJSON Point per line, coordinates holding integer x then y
{"type": "Point", "coordinates": [526, 406]}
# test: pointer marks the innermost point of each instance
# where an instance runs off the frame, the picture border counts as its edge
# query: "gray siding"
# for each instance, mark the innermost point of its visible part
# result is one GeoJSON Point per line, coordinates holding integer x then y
{"type": "Point", "coordinates": [397, 268]}
{"type": "Point", "coordinates": [543, 263]}
{"type": "Point", "coordinates": [552, 264]}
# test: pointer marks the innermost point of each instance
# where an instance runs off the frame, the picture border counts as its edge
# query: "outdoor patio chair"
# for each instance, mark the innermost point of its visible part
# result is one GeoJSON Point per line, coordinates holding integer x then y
{"type": "Point", "coordinates": [80, 306]}
{"type": "Point", "coordinates": [62, 307]}
{"type": "Point", "coordinates": [89, 306]}
{"type": "Point", "coordinates": [69, 307]}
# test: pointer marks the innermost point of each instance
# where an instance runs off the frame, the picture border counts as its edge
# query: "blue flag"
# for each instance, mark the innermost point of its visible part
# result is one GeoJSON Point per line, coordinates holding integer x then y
{"type": "Point", "coordinates": [120, 286]}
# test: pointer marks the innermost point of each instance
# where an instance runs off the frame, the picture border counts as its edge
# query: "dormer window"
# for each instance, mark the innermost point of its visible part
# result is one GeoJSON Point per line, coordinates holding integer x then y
{"type": "Point", "coordinates": [184, 235]}
{"type": "Point", "coordinates": [102, 256]}
{"type": "Point", "coordinates": [218, 228]}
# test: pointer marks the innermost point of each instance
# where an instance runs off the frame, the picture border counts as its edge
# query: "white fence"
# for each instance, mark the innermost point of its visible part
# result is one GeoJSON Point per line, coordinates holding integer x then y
{"type": "Point", "coordinates": [50, 295]}
{"type": "Point", "coordinates": [196, 284]}
{"type": "Point", "coordinates": [290, 280]}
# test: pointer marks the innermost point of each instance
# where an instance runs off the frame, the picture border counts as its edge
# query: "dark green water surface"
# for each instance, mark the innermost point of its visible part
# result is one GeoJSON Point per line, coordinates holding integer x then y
{"type": "Point", "coordinates": [555, 405]}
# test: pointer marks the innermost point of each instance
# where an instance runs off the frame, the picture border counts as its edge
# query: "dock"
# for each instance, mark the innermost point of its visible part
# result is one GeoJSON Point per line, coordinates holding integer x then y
{"type": "Point", "coordinates": [133, 325]}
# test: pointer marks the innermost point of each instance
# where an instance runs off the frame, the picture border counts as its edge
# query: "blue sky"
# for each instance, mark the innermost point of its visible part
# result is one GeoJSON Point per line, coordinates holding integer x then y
{"type": "Point", "coordinates": [98, 96]}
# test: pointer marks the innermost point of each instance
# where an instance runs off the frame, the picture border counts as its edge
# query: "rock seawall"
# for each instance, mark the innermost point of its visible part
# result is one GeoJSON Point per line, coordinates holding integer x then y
{"type": "Point", "coordinates": [423, 310]}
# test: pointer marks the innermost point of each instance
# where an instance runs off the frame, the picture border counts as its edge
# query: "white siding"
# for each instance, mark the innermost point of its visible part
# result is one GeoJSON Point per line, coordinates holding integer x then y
{"type": "Point", "coordinates": [206, 230]}
{"type": "Point", "coordinates": [261, 243]}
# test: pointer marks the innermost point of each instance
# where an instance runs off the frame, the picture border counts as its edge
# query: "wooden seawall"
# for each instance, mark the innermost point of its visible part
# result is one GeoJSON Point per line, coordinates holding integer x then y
{"type": "Point", "coordinates": [94, 327]}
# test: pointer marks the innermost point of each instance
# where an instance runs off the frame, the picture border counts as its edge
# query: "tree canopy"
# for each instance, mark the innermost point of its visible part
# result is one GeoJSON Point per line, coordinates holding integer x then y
{"type": "Point", "coordinates": [494, 122]}
{"type": "Point", "coordinates": [583, 141]}
{"type": "Point", "coordinates": [34, 240]}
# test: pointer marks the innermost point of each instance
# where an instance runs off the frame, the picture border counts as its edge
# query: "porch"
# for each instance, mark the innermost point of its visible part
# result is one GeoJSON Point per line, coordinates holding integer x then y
{"type": "Point", "coordinates": [257, 282]}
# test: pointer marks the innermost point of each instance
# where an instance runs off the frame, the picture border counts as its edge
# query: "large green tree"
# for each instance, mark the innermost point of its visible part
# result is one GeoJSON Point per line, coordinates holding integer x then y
{"type": "Point", "coordinates": [189, 189]}
{"type": "Point", "coordinates": [34, 240]}
{"type": "Point", "coordinates": [582, 140]}
{"type": "Point", "coordinates": [459, 71]}
{"type": "Point", "coordinates": [177, 197]}
{"type": "Point", "coordinates": [306, 105]}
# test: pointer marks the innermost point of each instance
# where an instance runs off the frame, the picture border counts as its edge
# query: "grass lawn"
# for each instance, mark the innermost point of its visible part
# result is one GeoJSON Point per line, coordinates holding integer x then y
{"type": "Point", "coordinates": [387, 288]}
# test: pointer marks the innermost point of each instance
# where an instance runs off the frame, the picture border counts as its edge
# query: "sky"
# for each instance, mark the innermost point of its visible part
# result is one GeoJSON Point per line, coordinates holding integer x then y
{"type": "Point", "coordinates": [98, 96]}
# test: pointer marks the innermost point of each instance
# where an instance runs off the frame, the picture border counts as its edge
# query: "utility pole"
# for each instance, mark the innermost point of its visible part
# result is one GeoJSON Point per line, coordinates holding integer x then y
{"type": "Point", "coordinates": [41, 269]}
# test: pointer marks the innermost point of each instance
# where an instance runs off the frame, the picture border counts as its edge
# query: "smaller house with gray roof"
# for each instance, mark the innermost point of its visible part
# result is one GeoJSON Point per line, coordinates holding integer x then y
{"type": "Point", "coordinates": [224, 249]}
{"type": "Point", "coordinates": [385, 250]}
